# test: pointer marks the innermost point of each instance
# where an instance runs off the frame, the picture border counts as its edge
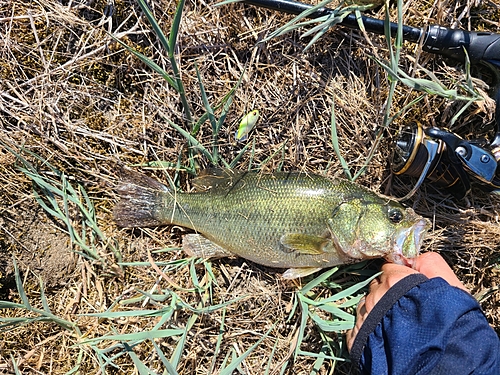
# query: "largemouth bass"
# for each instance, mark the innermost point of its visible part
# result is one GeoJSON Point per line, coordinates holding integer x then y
{"type": "Point", "coordinates": [299, 221]}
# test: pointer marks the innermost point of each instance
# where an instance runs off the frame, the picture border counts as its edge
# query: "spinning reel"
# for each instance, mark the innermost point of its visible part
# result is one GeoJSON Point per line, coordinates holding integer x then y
{"type": "Point", "coordinates": [446, 160]}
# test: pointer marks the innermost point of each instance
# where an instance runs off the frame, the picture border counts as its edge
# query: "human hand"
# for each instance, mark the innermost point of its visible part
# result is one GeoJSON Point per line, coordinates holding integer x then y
{"type": "Point", "coordinates": [430, 264]}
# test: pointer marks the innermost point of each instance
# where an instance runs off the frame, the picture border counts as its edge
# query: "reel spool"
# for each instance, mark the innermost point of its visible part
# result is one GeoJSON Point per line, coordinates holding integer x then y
{"type": "Point", "coordinates": [416, 154]}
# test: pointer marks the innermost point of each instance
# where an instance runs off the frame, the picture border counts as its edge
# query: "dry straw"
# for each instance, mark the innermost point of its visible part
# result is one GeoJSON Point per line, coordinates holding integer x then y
{"type": "Point", "coordinates": [162, 86]}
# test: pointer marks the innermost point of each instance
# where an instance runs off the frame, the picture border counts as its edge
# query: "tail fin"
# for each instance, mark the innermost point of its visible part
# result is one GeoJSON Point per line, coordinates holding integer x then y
{"type": "Point", "coordinates": [141, 200]}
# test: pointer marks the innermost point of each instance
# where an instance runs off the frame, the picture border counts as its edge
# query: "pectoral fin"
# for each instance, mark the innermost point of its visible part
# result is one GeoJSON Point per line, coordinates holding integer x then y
{"type": "Point", "coordinates": [196, 245]}
{"type": "Point", "coordinates": [295, 273]}
{"type": "Point", "coordinates": [303, 243]}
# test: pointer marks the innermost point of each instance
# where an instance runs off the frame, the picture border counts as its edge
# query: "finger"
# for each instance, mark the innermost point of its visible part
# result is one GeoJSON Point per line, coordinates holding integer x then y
{"type": "Point", "coordinates": [433, 265]}
{"type": "Point", "coordinates": [361, 315]}
{"type": "Point", "coordinates": [391, 274]}
{"type": "Point", "coordinates": [350, 336]}
{"type": "Point", "coordinates": [374, 283]}
{"type": "Point", "coordinates": [360, 303]}
{"type": "Point", "coordinates": [361, 311]}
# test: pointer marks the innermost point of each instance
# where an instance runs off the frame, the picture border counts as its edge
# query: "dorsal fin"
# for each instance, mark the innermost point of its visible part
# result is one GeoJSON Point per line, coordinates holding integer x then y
{"type": "Point", "coordinates": [216, 179]}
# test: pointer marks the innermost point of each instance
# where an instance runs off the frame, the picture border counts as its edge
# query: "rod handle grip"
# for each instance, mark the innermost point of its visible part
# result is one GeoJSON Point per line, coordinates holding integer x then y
{"type": "Point", "coordinates": [480, 46]}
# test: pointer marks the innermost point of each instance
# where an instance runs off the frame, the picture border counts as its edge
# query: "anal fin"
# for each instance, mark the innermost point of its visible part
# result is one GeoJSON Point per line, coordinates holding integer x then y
{"type": "Point", "coordinates": [295, 273]}
{"type": "Point", "coordinates": [196, 245]}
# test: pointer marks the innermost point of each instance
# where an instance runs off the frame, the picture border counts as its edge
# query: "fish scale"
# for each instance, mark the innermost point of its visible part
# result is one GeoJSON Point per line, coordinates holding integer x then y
{"type": "Point", "coordinates": [250, 220]}
{"type": "Point", "coordinates": [286, 220]}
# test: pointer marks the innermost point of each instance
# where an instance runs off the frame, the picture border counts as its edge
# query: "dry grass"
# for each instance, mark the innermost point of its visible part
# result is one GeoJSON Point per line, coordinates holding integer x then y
{"type": "Point", "coordinates": [76, 98]}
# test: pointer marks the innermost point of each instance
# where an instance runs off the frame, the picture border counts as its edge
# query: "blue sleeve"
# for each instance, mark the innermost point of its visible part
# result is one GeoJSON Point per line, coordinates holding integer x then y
{"type": "Point", "coordinates": [425, 326]}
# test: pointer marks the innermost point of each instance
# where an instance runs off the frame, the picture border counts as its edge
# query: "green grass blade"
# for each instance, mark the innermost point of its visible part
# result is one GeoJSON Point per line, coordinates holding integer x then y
{"type": "Point", "coordinates": [271, 356]}
{"type": "Point", "coordinates": [133, 313]}
{"type": "Point", "coordinates": [14, 364]}
{"type": "Point", "coordinates": [335, 143]}
{"type": "Point", "coordinates": [168, 366]}
{"type": "Point", "coordinates": [20, 287]}
{"type": "Point", "coordinates": [318, 280]}
{"type": "Point", "coordinates": [197, 124]}
{"type": "Point", "coordinates": [325, 21]}
{"type": "Point", "coordinates": [169, 45]}
{"type": "Point", "coordinates": [228, 100]}
{"type": "Point", "coordinates": [150, 63]}
{"type": "Point", "coordinates": [211, 117]}
{"type": "Point", "coordinates": [237, 361]}
{"type": "Point", "coordinates": [139, 366]}
{"type": "Point", "coordinates": [90, 213]}
{"type": "Point", "coordinates": [388, 39]}
{"type": "Point", "coordinates": [7, 324]}
{"type": "Point", "coordinates": [225, 107]}
{"type": "Point", "coordinates": [156, 28]}
{"type": "Point", "coordinates": [352, 289]}
{"type": "Point", "coordinates": [174, 29]}
{"type": "Point", "coordinates": [55, 213]}
{"type": "Point", "coordinates": [320, 355]}
{"type": "Point", "coordinates": [304, 308]}
{"type": "Point", "coordinates": [206, 103]}
{"type": "Point", "coordinates": [317, 365]}
{"type": "Point", "coordinates": [165, 318]}
{"type": "Point", "coordinates": [177, 355]}
{"type": "Point", "coordinates": [220, 336]}
{"type": "Point", "coordinates": [10, 305]}
{"type": "Point", "coordinates": [431, 86]}
{"type": "Point", "coordinates": [65, 213]}
{"type": "Point", "coordinates": [45, 304]}
{"type": "Point", "coordinates": [238, 157]}
{"type": "Point", "coordinates": [459, 113]}
{"type": "Point", "coordinates": [76, 368]}
{"type": "Point", "coordinates": [331, 325]}
{"type": "Point", "coordinates": [403, 110]}
{"type": "Point", "coordinates": [398, 43]}
{"type": "Point", "coordinates": [296, 26]}
{"type": "Point", "coordinates": [136, 336]}
{"type": "Point", "coordinates": [210, 271]}
{"type": "Point", "coordinates": [192, 141]}
{"type": "Point", "coordinates": [329, 308]}
{"type": "Point", "coordinates": [318, 35]}
{"type": "Point", "coordinates": [290, 25]}
{"type": "Point", "coordinates": [51, 192]}
{"type": "Point", "coordinates": [42, 315]}
{"type": "Point", "coordinates": [194, 276]}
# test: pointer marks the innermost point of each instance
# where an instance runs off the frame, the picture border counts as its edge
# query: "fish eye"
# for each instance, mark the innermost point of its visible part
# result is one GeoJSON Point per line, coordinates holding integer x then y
{"type": "Point", "coordinates": [395, 215]}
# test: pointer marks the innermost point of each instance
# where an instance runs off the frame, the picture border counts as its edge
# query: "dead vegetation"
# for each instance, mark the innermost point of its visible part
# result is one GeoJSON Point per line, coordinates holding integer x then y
{"type": "Point", "coordinates": [76, 98]}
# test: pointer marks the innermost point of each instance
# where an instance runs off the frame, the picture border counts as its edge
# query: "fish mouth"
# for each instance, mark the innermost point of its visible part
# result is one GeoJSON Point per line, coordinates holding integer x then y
{"type": "Point", "coordinates": [408, 241]}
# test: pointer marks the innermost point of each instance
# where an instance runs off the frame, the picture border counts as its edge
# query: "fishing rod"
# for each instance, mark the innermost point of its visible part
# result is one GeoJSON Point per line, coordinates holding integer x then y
{"type": "Point", "coordinates": [435, 155]}
{"type": "Point", "coordinates": [480, 46]}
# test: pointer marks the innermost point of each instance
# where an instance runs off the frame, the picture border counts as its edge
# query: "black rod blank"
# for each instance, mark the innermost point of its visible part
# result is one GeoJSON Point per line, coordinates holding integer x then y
{"type": "Point", "coordinates": [480, 46]}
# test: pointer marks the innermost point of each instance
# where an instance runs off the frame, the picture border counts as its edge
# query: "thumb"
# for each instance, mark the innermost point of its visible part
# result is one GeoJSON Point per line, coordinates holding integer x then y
{"type": "Point", "coordinates": [433, 265]}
